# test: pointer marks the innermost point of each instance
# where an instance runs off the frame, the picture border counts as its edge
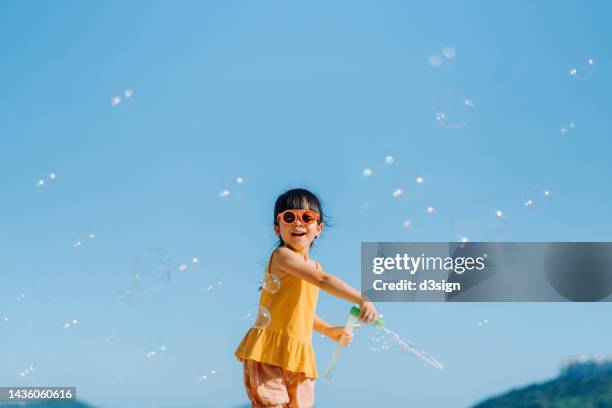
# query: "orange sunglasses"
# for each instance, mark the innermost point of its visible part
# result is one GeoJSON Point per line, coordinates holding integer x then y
{"type": "Point", "coordinates": [289, 217]}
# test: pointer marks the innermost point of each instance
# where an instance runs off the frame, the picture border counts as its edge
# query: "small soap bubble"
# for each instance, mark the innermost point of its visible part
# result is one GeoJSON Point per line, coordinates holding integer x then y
{"type": "Point", "coordinates": [263, 318]}
{"type": "Point", "coordinates": [110, 338]}
{"type": "Point", "coordinates": [430, 210]}
{"type": "Point", "coordinates": [239, 180]}
{"type": "Point", "coordinates": [389, 160]}
{"type": "Point", "coordinates": [567, 129]}
{"type": "Point", "coordinates": [84, 239]}
{"type": "Point", "coordinates": [52, 175]}
{"type": "Point", "coordinates": [479, 221]}
{"type": "Point", "coordinates": [206, 375]}
{"type": "Point", "coordinates": [151, 270]}
{"type": "Point", "coordinates": [156, 349]}
{"type": "Point", "coordinates": [125, 294]}
{"type": "Point", "coordinates": [116, 101]}
{"type": "Point", "coordinates": [20, 297]}
{"type": "Point", "coordinates": [270, 283]}
{"type": "Point", "coordinates": [40, 183]}
{"type": "Point", "coordinates": [408, 186]}
{"type": "Point", "coordinates": [454, 110]}
{"type": "Point", "coordinates": [583, 67]}
{"type": "Point", "coordinates": [27, 371]}
{"type": "Point", "coordinates": [407, 224]}
{"type": "Point", "coordinates": [482, 322]}
{"type": "Point", "coordinates": [128, 93]}
{"type": "Point", "coordinates": [224, 193]}
{"type": "Point", "coordinates": [6, 319]}
{"type": "Point", "coordinates": [449, 52]}
{"type": "Point", "coordinates": [367, 172]}
{"type": "Point", "coordinates": [537, 197]}
{"type": "Point", "coordinates": [435, 60]}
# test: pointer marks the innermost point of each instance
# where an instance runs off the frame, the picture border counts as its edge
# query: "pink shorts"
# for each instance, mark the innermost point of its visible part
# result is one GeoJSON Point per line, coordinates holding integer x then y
{"type": "Point", "coordinates": [274, 387]}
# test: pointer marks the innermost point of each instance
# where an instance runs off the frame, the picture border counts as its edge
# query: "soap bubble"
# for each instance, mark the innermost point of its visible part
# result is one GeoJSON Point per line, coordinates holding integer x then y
{"type": "Point", "coordinates": [233, 188]}
{"type": "Point", "coordinates": [156, 349]}
{"type": "Point", "coordinates": [537, 197]}
{"type": "Point", "coordinates": [72, 323]}
{"type": "Point", "coordinates": [20, 297]}
{"type": "Point", "coordinates": [84, 238]}
{"type": "Point", "coordinates": [367, 172]}
{"type": "Point", "coordinates": [582, 67]}
{"type": "Point", "coordinates": [191, 264]}
{"type": "Point", "coordinates": [449, 52]}
{"type": "Point", "coordinates": [151, 270]}
{"type": "Point", "coordinates": [40, 183]}
{"type": "Point", "coordinates": [482, 322]}
{"type": "Point", "coordinates": [389, 160]}
{"type": "Point", "coordinates": [27, 371]}
{"type": "Point", "coordinates": [116, 101]}
{"type": "Point", "coordinates": [263, 318]}
{"type": "Point", "coordinates": [435, 60]}
{"type": "Point", "coordinates": [206, 375]}
{"type": "Point", "coordinates": [270, 283]}
{"type": "Point", "coordinates": [479, 221]}
{"type": "Point", "coordinates": [128, 93]}
{"type": "Point", "coordinates": [125, 294]}
{"type": "Point", "coordinates": [454, 110]}
{"type": "Point", "coordinates": [408, 186]}
{"type": "Point", "coordinates": [407, 224]}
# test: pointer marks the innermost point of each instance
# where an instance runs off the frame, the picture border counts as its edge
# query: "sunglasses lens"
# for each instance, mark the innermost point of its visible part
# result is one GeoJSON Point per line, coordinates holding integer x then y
{"type": "Point", "coordinates": [308, 217]}
{"type": "Point", "coordinates": [289, 217]}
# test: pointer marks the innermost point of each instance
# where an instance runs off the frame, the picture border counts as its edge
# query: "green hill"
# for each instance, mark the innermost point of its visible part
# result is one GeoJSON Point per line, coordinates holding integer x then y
{"type": "Point", "coordinates": [593, 391]}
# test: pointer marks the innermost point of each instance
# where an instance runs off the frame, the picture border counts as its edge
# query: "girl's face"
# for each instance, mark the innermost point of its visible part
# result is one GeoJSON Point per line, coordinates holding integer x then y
{"type": "Point", "coordinates": [298, 235]}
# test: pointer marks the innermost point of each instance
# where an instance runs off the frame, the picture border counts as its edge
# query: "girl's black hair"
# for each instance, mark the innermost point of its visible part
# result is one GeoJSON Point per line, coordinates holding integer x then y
{"type": "Point", "coordinates": [297, 199]}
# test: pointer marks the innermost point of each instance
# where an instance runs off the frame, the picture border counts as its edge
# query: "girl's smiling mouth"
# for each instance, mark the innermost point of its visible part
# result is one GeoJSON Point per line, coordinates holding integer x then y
{"type": "Point", "coordinates": [298, 234]}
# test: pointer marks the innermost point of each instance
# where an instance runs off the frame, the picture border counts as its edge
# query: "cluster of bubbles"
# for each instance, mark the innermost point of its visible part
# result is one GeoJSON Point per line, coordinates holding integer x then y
{"type": "Point", "coordinates": [270, 284]}
{"type": "Point", "coordinates": [110, 338]}
{"type": "Point", "coordinates": [482, 322]}
{"type": "Point", "coordinates": [71, 324]}
{"type": "Point", "coordinates": [454, 110]}
{"type": "Point", "coordinates": [28, 370]}
{"type": "Point", "coordinates": [40, 182]}
{"type": "Point", "coordinates": [438, 58]}
{"type": "Point", "coordinates": [117, 99]}
{"type": "Point", "coordinates": [156, 349]}
{"type": "Point", "coordinates": [84, 238]}
{"type": "Point", "coordinates": [20, 297]}
{"type": "Point", "coordinates": [566, 129]}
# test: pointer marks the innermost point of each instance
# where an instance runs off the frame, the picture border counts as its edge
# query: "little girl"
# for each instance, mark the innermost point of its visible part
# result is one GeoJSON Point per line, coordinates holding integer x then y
{"type": "Point", "coordinates": [279, 363]}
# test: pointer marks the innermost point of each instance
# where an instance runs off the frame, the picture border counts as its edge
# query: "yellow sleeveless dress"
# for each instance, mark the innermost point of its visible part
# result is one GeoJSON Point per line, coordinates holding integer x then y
{"type": "Point", "coordinates": [287, 341]}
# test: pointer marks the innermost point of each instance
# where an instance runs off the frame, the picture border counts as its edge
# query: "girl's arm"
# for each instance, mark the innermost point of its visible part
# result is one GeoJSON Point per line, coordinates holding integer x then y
{"type": "Point", "coordinates": [333, 332]}
{"type": "Point", "coordinates": [320, 325]}
{"type": "Point", "coordinates": [288, 261]}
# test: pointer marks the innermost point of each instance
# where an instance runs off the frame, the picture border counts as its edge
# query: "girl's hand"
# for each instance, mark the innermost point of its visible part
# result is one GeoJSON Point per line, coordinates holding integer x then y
{"type": "Point", "coordinates": [338, 333]}
{"type": "Point", "coordinates": [367, 312]}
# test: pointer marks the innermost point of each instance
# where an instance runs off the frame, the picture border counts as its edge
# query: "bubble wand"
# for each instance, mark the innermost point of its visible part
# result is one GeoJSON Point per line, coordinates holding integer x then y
{"type": "Point", "coordinates": [329, 372]}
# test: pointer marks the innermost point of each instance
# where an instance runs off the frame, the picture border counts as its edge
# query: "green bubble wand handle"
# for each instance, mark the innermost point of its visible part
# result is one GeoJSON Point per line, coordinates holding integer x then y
{"type": "Point", "coordinates": [329, 372]}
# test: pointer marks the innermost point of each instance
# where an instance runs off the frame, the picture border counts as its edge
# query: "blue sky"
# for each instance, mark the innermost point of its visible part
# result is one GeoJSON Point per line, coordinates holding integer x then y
{"type": "Point", "coordinates": [286, 95]}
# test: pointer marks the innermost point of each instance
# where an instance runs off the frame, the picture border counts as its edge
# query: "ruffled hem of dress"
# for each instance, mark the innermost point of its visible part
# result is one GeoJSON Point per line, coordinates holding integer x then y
{"type": "Point", "coordinates": [278, 349]}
